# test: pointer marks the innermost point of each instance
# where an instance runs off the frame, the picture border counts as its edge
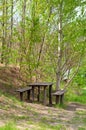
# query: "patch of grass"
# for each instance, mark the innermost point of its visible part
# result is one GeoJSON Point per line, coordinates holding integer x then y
{"type": "Point", "coordinates": [80, 112]}
{"type": "Point", "coordinates": [59, 105]}
{"type": "Point", "coordinates": [76, 98]}
{"type": "Point", "coordinates": [14, 99]}
{"type": "Point", "coordinates": [79, 119]}
{"type": "Point", "coordinates": [52, 127]}
{"type": "Point", "coordinates": [9, 126]}
{"type": "Point", "coordinates": [29, 108]}
{"type": "Point", "coordinates": [81, 128]}
{"type": "Point", "coordinates": [35, 113]}
{"type": "Point", "coordinates": [44, 119]}
{"type": "Point", "coordinates": [45, 126]}
{"type": "Point", "coordinates": [21, 117]}
{"type": "Point", "coordinates": [10, 98]}
{"type": "Point", "coordinates": [76, 119]}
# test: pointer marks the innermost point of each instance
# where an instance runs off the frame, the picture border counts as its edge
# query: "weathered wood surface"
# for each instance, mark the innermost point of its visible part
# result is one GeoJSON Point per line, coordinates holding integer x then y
{"type": "Point", "coordinates": [58, 92]}
{"type": "Point", "coordinates": [59, 96]}
{"type": "Point", "coordinates": [22, 90]}
{"type": "Point", "coordinates": [44, 85]}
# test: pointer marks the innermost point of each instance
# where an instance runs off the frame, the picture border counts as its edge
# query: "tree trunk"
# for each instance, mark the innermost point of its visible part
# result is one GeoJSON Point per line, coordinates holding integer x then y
{"type": "Point", "coordinates": [3, 33]}
{"type": "Point", "coordinates": [58, 72]}
{"type": "Point", "coordinates": [11, 31]}
{"type": "Point", "coordinates": [22, 44]}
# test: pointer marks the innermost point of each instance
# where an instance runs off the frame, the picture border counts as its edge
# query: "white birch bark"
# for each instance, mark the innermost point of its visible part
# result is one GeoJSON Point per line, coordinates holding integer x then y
{"type": "Point", "coordinates": [58, 71]}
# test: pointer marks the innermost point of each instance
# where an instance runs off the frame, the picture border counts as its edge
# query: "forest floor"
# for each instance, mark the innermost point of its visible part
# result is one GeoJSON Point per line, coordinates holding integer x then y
{"type": "Point", "coordinates": [33, 115]}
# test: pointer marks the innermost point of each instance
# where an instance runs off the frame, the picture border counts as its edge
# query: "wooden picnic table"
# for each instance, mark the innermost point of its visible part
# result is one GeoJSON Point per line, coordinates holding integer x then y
{"type": "Point", "coordinates": [44, 85]}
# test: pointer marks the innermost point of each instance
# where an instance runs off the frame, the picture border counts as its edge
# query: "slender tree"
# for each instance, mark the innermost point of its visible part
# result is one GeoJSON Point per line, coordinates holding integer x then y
{"type": "Point", "coordinates": [4, 13]}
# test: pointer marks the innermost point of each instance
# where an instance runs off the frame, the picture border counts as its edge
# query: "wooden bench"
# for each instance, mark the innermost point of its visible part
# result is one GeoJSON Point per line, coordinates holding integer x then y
{"type": "Point", "coordinates": [59, 96]}
{"type": "Point", "coordinates": [22, 90]}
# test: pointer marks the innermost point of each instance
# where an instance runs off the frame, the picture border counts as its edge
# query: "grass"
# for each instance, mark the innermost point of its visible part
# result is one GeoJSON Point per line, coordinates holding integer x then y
{"type": "Point", "coordinates": [51, 127]}
{"type": "Point", "coordinates": [43, 126]}
{"type": "Point", "coordinates": [60, 106]}
{"type": "Point", "coordinates": [81, 112]}
{"type": "Point", "coordinates": [81, 98]}
{"type": "Point", "coordinates": [81, 128]}
{"type": "Point", "coordinates": [45, 123]}
{"type": "Point", "coordinates": [36, 126]}
{"type": "Point", "coordinates": [9, 126]}
{"type": "Point", "coordinates": [22, 117]}
{"type": "Point", "coordinates": [79, 118]}
{"type": "Point", "coordinates": [9, 97]}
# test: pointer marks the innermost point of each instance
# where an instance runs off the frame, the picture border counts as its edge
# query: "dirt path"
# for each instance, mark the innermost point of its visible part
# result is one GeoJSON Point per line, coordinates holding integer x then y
{"type": "Point", "coordinates": [31, 115]}
{"type": "Point", "coordinates": [28, 115]}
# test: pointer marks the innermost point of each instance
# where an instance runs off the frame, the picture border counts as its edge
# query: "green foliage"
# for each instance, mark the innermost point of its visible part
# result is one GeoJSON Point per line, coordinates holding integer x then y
{"type": "Point", "coordinates": [34, 41]}
{"type": "Point", "coordinates": [80, 78]}
{"type": "Point", "coordinates": [44, 126]}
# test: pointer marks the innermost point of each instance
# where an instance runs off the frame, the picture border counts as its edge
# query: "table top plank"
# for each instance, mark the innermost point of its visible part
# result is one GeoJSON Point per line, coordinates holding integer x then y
{"type": "Point", "coordinates": [23, 89]}
{"type": "Point", "coordinates": [40, 84]}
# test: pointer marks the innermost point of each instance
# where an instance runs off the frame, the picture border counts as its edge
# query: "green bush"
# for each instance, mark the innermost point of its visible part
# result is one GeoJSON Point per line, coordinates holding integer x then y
{"type": "Point", "coordinates": [80, 78]}
{"type": "Point", "coordinates": [73, 97]}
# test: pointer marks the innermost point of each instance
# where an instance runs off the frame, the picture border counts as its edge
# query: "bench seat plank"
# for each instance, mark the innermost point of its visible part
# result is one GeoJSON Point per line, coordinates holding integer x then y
{"type": "Point", "coordinates": [58, 92]}
{"type": "Point", "coordinates": [59, 96]}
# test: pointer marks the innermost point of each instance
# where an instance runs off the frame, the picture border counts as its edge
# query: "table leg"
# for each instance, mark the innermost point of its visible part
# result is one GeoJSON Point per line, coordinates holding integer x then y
{"type": "Point", "coordinates": [57, 99]}
{"type": "Point", "coordinates": [50, 95]}
{"type": "Point", "coordinates": [38, 94]}
{"type": "Point", "coordinates": [28, 94]}
{"type": "Point", "coordinates": [61, 99]}
{"type": "Point", "coordinates": [21, 96]}
{"type": "Point", "coordinates": [32, 93]}
{"type": "Point", "coordinates": [44, 102]}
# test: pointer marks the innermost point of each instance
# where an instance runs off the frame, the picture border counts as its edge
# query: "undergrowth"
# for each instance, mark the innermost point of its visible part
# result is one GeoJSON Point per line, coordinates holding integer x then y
{"type": "Point", "coordinates": [74, 97]}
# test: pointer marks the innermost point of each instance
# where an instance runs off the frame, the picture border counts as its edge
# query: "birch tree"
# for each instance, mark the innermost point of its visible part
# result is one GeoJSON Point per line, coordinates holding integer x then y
{"type": "Point", "coordinates": [67, 62]}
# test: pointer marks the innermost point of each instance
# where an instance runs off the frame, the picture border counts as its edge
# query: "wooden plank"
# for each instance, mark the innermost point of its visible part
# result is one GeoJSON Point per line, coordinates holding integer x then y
{"type": "Point", "coordinates": [40, 84]}
{"type": "Point", "coordinates": [59, 92]}
{"type": "Point", "coordinates": [28, 94]}
{"type": "Point", "coordinates": [50, 96]}
{"type": "Point", "coordinates": [21, 96]}
{"type": "Point", "coordinates": [38, 94]}
{"type": "Point", "coordinates": [23, 89]}
{"type": "Point", "coordinates": [44, 102]}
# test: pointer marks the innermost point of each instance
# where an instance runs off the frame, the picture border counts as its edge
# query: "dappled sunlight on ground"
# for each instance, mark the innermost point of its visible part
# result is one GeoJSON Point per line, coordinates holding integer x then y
{"type": "Point", "coordinates": [32, 115]}
{"type": "Point", "coordinates": [24, 113]}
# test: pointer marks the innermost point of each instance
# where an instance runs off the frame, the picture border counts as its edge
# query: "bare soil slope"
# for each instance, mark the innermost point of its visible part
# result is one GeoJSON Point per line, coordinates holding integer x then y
{"type": "Point", "coordinates": [10, 79]}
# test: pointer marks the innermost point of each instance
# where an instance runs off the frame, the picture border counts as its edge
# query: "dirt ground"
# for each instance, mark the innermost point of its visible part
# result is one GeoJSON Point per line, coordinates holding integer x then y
{"type": "Point", "coordinates": [72, 116]}
{"type": "Point", "coordinates": [27, 115]}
